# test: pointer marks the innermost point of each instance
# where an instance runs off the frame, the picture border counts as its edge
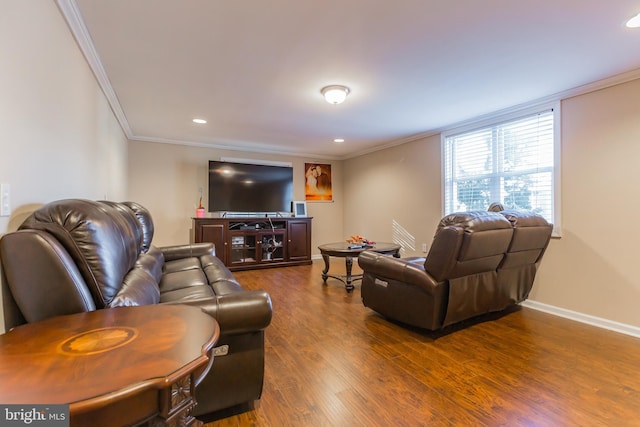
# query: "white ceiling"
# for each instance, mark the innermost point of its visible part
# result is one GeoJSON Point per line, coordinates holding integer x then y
{"type": "Point", "coordinates": [254, 69]}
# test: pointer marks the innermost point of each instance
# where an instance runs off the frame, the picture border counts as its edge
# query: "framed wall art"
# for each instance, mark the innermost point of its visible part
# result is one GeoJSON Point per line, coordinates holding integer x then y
{"type": "Point", "coordinates": [317, 178]}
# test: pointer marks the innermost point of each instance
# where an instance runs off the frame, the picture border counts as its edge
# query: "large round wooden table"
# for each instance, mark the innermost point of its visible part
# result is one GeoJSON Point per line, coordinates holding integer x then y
{"type": "Point", "coordinates": [346, 251]}
{"type": "Point", "coordinates": [113, 367]}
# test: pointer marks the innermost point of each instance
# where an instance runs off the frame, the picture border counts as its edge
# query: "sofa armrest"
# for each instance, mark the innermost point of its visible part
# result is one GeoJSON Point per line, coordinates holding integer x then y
{"type": "Point", "coordinates": [407, 270]}
{"type": "Point", "coordinates": [42, 279]}
{"type": "Point", "coordinates": [237, 312]}
{"type": "Point", "coordinates": [171, 253]}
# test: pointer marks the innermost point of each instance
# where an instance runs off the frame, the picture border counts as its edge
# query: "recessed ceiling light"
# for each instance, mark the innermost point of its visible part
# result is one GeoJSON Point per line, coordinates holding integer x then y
{"type": "Point", "coordinates": [199, 121]}
{"type": "Point", "coordinates": [338, 140]}
{"type": "Point", "coordinates": [634, 22]}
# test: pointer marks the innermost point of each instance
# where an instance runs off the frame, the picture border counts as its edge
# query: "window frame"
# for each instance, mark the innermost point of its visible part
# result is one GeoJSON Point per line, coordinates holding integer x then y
{"type": "Point", "coordinates": [502, 118]}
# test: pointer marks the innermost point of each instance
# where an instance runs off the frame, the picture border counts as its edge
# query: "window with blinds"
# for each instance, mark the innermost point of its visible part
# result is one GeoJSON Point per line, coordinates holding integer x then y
{"type": "Point", "coordinates": [511, 162]}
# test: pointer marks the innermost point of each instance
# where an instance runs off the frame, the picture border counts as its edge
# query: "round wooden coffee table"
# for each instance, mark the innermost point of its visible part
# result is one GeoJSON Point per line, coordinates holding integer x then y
{"type": "Point", "coordinates": [343, 250]}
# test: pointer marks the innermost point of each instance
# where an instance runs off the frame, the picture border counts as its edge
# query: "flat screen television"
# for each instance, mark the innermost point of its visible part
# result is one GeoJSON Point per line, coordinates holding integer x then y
{"type": "Point", "coordinates": [242, 187]}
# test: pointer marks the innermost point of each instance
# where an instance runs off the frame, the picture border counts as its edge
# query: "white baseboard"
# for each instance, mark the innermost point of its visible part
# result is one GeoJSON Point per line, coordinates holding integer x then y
{"type": "Point", "coordinates": [599, 322]}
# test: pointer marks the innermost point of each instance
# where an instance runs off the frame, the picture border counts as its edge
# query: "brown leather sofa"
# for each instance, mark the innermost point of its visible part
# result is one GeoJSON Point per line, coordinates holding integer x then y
{"type": "Point", "coordinates": [479, 262]}
{"type": "Point", "coordinates": [76, 255]}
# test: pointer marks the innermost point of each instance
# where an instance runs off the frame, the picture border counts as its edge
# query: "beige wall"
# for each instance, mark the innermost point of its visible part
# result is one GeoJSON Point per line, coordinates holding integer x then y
{"type": "Point", "coordinates": [59, 136]}
{"type": "Point", "coordinates": [395, 193]}
{"type": "Point", "coordinates": [166, 179]}
{"type": "Point", "coordinates": [592, 268]}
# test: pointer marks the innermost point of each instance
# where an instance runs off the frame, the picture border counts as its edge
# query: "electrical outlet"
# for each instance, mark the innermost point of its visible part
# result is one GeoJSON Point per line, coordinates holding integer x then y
{"type": "Point", "coordinates": [424, 247]}
{"type": "Point", "coordinates": [5, 201]}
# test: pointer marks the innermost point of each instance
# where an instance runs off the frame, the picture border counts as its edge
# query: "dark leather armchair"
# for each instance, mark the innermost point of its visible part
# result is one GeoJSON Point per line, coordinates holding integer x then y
{"type": "Point", "coordinates": [479, 262]}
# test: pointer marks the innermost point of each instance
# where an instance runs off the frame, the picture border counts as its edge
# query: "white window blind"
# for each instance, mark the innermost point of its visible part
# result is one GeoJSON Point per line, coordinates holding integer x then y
{"type": "Point", "coordinates": [511, 163]}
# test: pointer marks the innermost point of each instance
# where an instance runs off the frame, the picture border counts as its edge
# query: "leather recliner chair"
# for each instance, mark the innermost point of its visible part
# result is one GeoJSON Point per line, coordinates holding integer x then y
{"type": "Point", "coordinates": [479, 262]}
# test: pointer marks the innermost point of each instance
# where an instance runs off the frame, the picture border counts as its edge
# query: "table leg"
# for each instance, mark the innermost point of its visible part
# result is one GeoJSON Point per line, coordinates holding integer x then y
{"type": "Point", "coordinates": [326, 267]}
{"type": "Point", "coordinates": [349, 265]}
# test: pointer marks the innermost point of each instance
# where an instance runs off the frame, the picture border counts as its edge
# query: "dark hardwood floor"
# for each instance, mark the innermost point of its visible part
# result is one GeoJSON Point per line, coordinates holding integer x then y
{"type": "Point", "coordinates": [332, 362]}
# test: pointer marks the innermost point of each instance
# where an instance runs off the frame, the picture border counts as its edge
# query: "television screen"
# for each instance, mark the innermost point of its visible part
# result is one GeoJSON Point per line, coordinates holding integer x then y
{"type": "Point", "coordinates": [241, 187]}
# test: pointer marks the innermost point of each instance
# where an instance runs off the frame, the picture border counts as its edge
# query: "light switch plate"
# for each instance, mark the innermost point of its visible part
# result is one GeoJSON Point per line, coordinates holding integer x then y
{"type": "Point", "coordinates": [5, 201]}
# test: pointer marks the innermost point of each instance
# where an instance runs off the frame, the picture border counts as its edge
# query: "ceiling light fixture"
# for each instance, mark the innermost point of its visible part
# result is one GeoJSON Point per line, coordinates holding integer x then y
{"type": "Point", "coordinates": [199, 121]}
{"type": "Point", "coordinates": [335, 94]}
{"type": "Point", "coordinates": [338, 140]}
{"type": "Point", "coordinates": [634, 22]}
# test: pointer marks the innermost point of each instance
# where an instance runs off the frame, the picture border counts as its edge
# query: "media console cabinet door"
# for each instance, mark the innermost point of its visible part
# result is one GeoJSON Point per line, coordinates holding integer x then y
{"type": "Point", "coordinates": [216, 234]}
{"type": "Point", "coordinates": [299, 247]}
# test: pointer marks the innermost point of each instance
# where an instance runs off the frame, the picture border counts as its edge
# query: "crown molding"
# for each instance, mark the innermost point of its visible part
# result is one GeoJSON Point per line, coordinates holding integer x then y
{"type": "Point", "coordinates": [548, 100]}
{"type": "Point", "coordinates": [72, 15]}
{"type": "Point", "coordinates": [390, 144]}
{"type": "Point", "coordinates": [262, 149]}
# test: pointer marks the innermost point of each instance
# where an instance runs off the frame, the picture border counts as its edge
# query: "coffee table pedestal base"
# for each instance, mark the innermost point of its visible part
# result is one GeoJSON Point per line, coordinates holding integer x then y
{"type": "Point", "coordinates": [347, 279]}
{"type": "Point", "coordinates": [346, 251]}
